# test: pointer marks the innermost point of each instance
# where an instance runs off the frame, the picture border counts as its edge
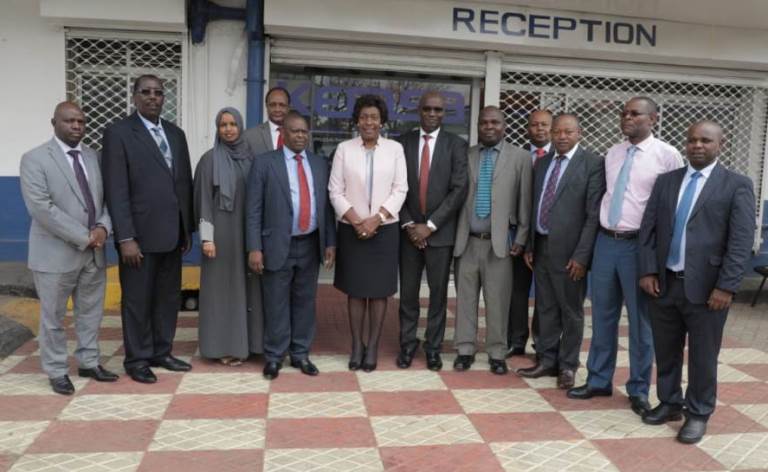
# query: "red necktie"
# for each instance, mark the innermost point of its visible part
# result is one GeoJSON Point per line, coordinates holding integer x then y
{"type": "Point", "coordinates": [424, 175]}
{"type": "Point", "coordinates": [540, 152]}
{"type": "Point", "coordinates": [279, 137]}
{"type": "Point", "coordinates": [304, 202]}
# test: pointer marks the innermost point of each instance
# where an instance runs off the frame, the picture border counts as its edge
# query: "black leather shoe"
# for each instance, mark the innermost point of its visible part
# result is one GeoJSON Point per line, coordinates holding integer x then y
{"type": "Point", "coordinates": [639, 405]}
{"type": "Point", "coordinates": [306, 366]}
{"type": "Point", "coordinates": [171, 363]}
{"type": "Point", "coordinates": [662, 413]}
{"type": "Point", "coordinates": [692, 431]}
{"type": "Point", "coordinates": [498, 366]}
{"type": "Point", "coordinates": [434, 362]}
{"type": "Point", "coordinates": [62, 385]}
{"type": "Point", "coordinates": [516, 351]}
{"type": "Point", "coordinates": [98, 373]}
{"type": "Point", "coordinates": [585, 392]}
{"type": "Point", "coordinates": [405, 357]}
{"type": "Point", "coordinates": [272, 370]}
{"type": "Point", "coordinates": [142, 374]}
{"type": "Point", "coordinates": [537, 371]}
{"type": "Point", "coordinates": [462, 363]}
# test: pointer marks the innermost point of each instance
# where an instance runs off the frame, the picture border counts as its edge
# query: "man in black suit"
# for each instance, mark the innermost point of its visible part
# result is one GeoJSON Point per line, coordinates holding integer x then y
{"type": "Point", "coordinates": [287, 239]}
{"type": "Point", "coordinates": [568, 185]}
{"type": "Point", "coordinates": [148, 187]}
{"type": "Point", "coordinates": [437, 186]}
{"type": "Point", "coordinates": [539, 128]}
{"type": "Point", "coordinates": [695, 241]}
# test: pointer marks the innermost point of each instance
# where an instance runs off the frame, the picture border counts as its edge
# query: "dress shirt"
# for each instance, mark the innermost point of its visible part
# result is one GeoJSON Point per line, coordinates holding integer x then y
{"type": "Point", "coordinates": [652, 158]}
{"type": "Point", "coordinates": [477, 224]}
{"type": "Point", "coordinates": [65, 149]}
{"type": "Point", "coordinates": [563, 166]}
{"type": "Point", "coordinates": [700, 182]}
{"type": "Point", "coordinates": [346, 185]}
{"type": "Point", "coordinates": [274, 131]}
{"type": "Point", "coordinates": [150, 126]}
{"type": "Point", "coordinates": [293, 180]}
{"type": "Point", "coordinates": [534, 148]}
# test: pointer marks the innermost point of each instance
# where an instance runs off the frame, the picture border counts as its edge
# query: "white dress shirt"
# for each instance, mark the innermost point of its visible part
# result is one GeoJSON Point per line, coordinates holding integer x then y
{"type": "Point", "coordinates": [65, 149]}
{"type": "Point", "coordinates": [274, 130]}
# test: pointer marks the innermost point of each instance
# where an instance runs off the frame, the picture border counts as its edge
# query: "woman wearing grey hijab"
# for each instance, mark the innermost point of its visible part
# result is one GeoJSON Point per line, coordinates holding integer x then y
{"type": "Point", "coordinates": [230, 321]}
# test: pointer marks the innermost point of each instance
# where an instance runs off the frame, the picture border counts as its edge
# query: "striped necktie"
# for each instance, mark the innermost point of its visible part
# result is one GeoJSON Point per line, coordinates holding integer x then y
{"type": "Point", "coordinates": [163, 146]}
{"type": "Point", "coordinates": [484, 182]}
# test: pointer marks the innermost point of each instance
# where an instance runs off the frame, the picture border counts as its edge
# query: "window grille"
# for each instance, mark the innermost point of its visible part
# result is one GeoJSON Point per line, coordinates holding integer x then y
{"type": "Point", "coordinates": [101, 68]}
{"type": "Point", "coordinates": [597, 100]}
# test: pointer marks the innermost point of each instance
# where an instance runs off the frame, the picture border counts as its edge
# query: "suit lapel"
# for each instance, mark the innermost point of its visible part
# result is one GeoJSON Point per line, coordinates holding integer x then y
{"type": "Point", "coordinates": [412, 159]}
{"type": "Point", "coordinates": [677, 182]}
{"type": "Point", "coordinates": [569, 171]}
{"type": "Point", "coordinates": [142, 134]}
{"type": "Point", "coordinates": [266, 135]}
{"type": "Point", "coordinates": [502, 161]}
{"type": "Point", "coordinates": [173, 142]}
{"type": "Point", "coordinates": [710, 186]}
{"type": "Point", "coordinates": [62, 162]}
{"type": "Point", "coordinates": [278, 167]}
{"type": "Point", "coordinates": [91, 167]}
{"type": "Point", "coordinates": [538, 185]}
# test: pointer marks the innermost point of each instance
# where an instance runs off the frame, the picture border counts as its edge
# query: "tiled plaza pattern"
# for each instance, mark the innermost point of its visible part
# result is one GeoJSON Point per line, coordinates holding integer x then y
{"type": "Point", "coordinates": [219, 418]}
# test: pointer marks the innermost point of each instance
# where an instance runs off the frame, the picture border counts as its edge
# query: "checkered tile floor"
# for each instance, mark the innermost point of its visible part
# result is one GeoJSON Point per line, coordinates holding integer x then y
{"type": "Point", "coordinates": [229, 418]}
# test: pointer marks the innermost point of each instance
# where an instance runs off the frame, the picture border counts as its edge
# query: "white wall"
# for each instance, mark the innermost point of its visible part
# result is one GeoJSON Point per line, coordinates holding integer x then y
{"type": "Point", "coordinates": [32, 79]}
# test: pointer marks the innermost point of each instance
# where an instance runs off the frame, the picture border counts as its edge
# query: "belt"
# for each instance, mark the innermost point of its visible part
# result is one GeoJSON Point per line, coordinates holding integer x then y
{"type": "Point", "coordinates": [305, 236]}
{"type": "Point", "coordinates": [677, 275]}
{"type": "Point", "coordinates": [480, 235]}
{"type": "Point", "coordinates": [620, 234]}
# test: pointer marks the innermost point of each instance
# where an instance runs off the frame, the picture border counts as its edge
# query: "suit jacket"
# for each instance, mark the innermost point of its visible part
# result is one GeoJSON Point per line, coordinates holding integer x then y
{"type": "Point", "coordinates": [510, 197]}
{"type": "Point", "coordinates": [59, 234]}
{"type": "Point", "coordinates": [718, 236]}
{"type": "Point", "coordinates": [269, 210]}
{"type": "Point", "coordinates": [575, 215]}
{"type": "Point", "coordinates": [147, 201]}
{"type": "Point", "coordinates": [259, 138]}
{"type": "Point", "coordinates": [446, 189]}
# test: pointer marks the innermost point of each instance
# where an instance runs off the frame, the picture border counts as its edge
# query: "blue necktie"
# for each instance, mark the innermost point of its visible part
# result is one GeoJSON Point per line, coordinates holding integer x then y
{"type": "Point", "coordinates": [617, 199]}
{"type": "Point", "coordinates": [163, 146]}
{"type": "Point", "coordinates": [484, 180]}
{"type": "Point", "coordinates": [681, 219]}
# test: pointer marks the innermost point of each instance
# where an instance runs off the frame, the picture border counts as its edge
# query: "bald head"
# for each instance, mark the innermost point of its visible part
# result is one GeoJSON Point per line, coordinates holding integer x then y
{"type": "Point", "coordinates": [704, 142]}
{"type": "Point", "coordinates": [68, 123]}
{"type": "Point", "coordinates": [431, 111]}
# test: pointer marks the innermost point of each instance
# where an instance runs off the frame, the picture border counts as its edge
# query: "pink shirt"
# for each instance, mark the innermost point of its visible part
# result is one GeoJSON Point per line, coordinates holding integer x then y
{"type": "Point", "coordinates": [347, 183]}
{"type": "Point", "coordinates": [652, 158]}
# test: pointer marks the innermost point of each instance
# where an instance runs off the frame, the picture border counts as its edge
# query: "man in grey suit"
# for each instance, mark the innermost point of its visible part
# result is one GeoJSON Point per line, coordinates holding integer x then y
{"type": "Point", "coordinates": [268, 136]}
{"type": "Point", "coordinates": [61, 186]}
{"type": "Point", "coordinates": [696, 238]}
{"type": "Point", "coordinates": [290, 229]}
{"type": "Point", "coordinates": [568, 185]}
{"type": "Point", "coordinates": [493, 225]}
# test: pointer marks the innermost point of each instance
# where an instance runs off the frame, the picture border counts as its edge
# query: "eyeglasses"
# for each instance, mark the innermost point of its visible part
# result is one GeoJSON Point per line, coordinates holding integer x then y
{"type": "Point", "coordinates": [149, 92]}
{"type": "Point", "coordinates": [432, 109]}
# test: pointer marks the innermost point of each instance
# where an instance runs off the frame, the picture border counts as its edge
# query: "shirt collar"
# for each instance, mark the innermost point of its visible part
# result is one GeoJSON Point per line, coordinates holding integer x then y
{"type": "Point", "coordinates": [570, 153]}
{"type": "Point", "coordinates": [545, 147]}
{"type": "Point", "coordinates": [496, 146]}
{"type": "Point", "coordinates": [149, 125]}
{"type": "Point", "coordinates": [433, 134]}
{"type": "Point", "coordinates": [643, 145]}
{"type": "Point", "coordinates": [289, 154]}
{"type": "Point", "coordinates": [273, 126]}
{"type": "Point", "coordinates": [65, 148]}
{"type": "Point", "coordinates": [705, 172]}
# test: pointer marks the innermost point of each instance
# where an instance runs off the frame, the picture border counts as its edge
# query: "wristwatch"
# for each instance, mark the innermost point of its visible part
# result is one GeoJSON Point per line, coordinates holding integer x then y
{"type": "Point", "coordinates": [383, 218]}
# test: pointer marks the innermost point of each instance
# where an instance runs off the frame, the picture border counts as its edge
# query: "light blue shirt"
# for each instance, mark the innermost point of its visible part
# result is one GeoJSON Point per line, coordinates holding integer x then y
{"type": "Point", "coordinates": [563, 166]}
{"type": "Point", "coordinates": [293, 180]}
{"type": "Point", "coordinates": [705, 173]}
{"type": "Point", "coordinates": [150, 126]}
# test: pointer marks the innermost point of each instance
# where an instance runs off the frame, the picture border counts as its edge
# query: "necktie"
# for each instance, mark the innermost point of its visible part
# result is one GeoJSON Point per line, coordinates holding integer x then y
{"type": "Point", "coordinates": [681, 219]}
{"type": "Point", "coordinates": [82, 182]}
{"type": "Point", "coordinates": [163, 146]}
{"type": "Point", "coordinates": [620, 187]}
{"type": "Point", "coordinates": [304, 201]}
{"type": "Point", "coordinates": [484, 181]}
{"type": "Point", "coordinates": [424, 175]}
{"type": "Point", "coordinates": [279, 137]}
{"type": "Point", "coordinates": [549, 194]}
{"type": "Point", "coordinates": [540, 152]}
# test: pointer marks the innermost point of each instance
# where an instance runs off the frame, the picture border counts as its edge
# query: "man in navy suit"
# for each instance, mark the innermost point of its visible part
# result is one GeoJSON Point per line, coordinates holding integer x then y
{"type": "Point", "coordinates": [696, 238]}
{"type": "Point", "coordinates": [148, 188]}
{"type": "Point", "coordinates": [290, 229]}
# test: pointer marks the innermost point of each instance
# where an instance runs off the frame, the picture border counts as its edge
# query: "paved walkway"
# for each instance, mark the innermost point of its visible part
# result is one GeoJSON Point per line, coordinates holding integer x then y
{"type": "Point", "coordinates": [230, 419]}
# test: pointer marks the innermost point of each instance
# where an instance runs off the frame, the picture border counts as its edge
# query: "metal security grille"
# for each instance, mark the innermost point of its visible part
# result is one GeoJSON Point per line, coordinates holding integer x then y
{"type": "Point", "coordinates": [597, 101]}
{"type": "Point", "coordinates": [101, 68]}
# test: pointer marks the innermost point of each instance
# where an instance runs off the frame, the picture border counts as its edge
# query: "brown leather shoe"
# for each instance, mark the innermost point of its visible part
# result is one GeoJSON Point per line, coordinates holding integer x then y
{"type": "Point", "coordinates": [566, 379]}
{"type": "Point", "coordinates": [537, 371]}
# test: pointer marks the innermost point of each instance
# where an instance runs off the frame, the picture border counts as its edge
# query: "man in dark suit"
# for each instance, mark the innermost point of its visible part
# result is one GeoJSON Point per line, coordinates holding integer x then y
{"type": "Point", "coordinates": [695, 241]}
{"type": "Point", "coordinates": [568, 185]}
{"type": "Point", "coordinates": [437, 186]}
{"type": "Point", "coordinates": [268, 136]}
{"type": "Point", "coordinates": [148, 187]}
{"type": "Point", "coordinates": [539, 128]}
{"type": "Point", "coordinates": [290, 229]}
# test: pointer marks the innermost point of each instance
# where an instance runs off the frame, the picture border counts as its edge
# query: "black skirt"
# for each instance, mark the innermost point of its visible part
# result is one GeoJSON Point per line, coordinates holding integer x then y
{"type": "Point", "coordinates": [367, 268]}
